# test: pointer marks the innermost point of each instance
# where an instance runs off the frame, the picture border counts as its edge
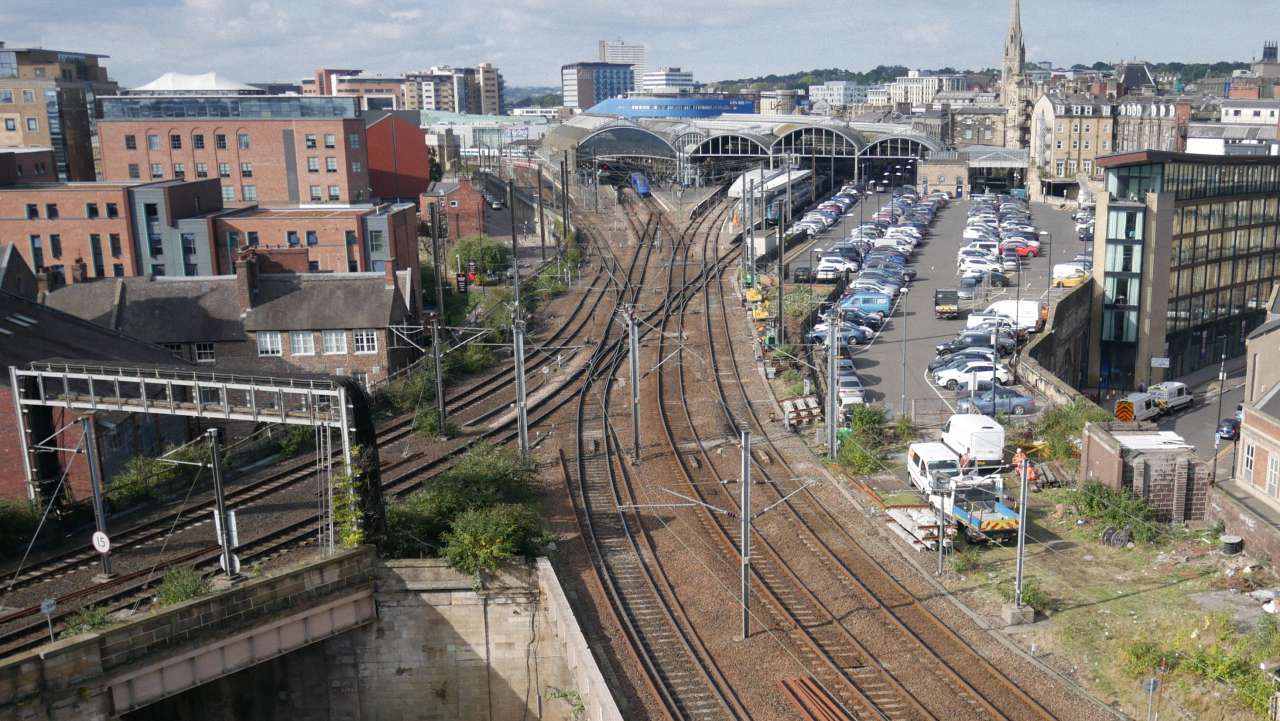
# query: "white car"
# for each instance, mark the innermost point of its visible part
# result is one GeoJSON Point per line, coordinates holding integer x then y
{"type": "Point", "coordinates": [851, 390]}
{"type": "Point", "coordinates": [971, 264]}
{"type": "Point", "coordinates": [830, 270]}
{"type": "Point", "coordinates": [980, 369]}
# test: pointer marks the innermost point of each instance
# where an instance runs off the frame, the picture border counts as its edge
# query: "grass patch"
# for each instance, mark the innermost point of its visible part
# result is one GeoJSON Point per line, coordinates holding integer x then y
{"type": "Point", "coordinates": [1118, 509]}
{"type": "Point", "coordinates": [85, 620]}
{"type": "Point", "coordinates": [181, 584]}
{"type": "Point", "coordinates": [862, 448]}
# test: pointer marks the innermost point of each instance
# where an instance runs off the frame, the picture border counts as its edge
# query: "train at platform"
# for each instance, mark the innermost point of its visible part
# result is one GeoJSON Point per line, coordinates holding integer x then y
{"type": "Point", "coordinates": [640, 184]}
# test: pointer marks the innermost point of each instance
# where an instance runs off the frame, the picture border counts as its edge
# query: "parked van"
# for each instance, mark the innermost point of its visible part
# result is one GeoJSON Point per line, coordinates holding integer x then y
{"type": "Point", "coordinates": [977, 439]}
{"type": "Point", "coordinates": [868, 302]}
{"type": "Point", "coordinates": [1145, 406]}
{"type": "Point", "coordinates": [1174, 396]}
{"type": "Point", "coordinates": [926, 459]}
{"type": "Point", "coordinates": [1025, 314]}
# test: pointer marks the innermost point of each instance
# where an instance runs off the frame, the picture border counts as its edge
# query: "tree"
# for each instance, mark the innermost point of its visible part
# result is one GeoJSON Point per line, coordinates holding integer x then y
{"type": "Point", "coordinates": [1101, 66]}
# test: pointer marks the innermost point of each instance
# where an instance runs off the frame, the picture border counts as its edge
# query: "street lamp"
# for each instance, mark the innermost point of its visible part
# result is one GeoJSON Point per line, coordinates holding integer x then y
{"type": "Point", "coordinates": [902, 299]}
{"type": "Point", "coordinates": [1048, 254]}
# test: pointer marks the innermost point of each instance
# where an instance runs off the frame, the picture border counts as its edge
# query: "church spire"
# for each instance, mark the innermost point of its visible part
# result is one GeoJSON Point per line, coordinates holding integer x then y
{"type": "Point", "coordinates": [1015, 23]}
{"type": "Point", "coordinates": [1014, 50]}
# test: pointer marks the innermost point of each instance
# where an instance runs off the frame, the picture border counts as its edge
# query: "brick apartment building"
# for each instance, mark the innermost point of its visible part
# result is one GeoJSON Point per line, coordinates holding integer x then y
{"type": "Point", "coordinates": [49, 98]}
{"type": "Point", "coordinates": [34, 332]}
{"type": "Point", "coordinates": [27, 165]}
{"type": "Point", "coordinates": [333, 323]}
{"type": "Point", "coordinates": [285, 150]}
{"type": "Point", "coordinates": [1258, 451]}
{"type": "Point", "coordinates": [460, 206]}
{"type": "Point", "coordinates": [399, 160]}
{"type": "Point", "coordinates": [336, 240]}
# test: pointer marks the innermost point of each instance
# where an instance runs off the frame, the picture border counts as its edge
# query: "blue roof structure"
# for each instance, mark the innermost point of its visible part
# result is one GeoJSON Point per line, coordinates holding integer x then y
{"type": "Point", "coordinates": [675, 107]}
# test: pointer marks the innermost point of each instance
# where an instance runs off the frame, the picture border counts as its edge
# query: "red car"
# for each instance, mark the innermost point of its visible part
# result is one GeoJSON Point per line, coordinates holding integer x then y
{"type": "Point", "coordinates": [1022, 249]}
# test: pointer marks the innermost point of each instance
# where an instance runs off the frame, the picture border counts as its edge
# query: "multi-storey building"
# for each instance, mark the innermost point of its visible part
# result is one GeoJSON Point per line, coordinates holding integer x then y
{"type": "Point", "coordinates": [491, 85]}
{"type": "Point", "coordinates": [29, 164]}
{"type": "Point", "coordinates": [1250, 112]}
{"type": "Point", "coordinates": [620, 51]}
{"type": "Point", "coordinates": [838, 93]}
{"type": "Point", "coordinates": [1151, 123]}
{"type": "Point", "coordinates": [399, 160]}
{"type": "Point", "coordinates": [474, 91]}
{"type": "Point", "coordinates": [918, 89]}
{"type": "Point", "coordinates": [667, 80]}
{"type": "Point", "coordinates": [49, 98]}
{"type": "Point", "coordinates": [1068, 134]}
{"type": "Point", "coordinates": [978, 125]}
{"type": "Point", "coordinates": [585, 84]}
{"type": "Point", "coordinates": [1186, 256]}
{"type": "Point", "coordinates": [267, 149]}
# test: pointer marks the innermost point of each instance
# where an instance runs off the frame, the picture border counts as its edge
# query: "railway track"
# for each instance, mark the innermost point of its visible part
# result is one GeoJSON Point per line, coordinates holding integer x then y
{"type": "Point", "coordinates": [962, 683]}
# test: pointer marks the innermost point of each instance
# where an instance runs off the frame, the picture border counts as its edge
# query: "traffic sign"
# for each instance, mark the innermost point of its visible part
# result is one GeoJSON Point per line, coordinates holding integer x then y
{"type": "Point", "coordinates": [48, 606]}
{"type": "Point", "coordinates": [462, 282]}
{"type": "Point", "coordinates": [1159, 362]}
{"type": "Point", "coordinates": [101, 543]}
{"type": "Point", "coordinates": [235, 564]}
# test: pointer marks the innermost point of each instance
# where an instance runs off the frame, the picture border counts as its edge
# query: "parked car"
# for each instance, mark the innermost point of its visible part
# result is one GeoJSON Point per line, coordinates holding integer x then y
{"type": "Point", "coordinates": [951, 377]}
{"type": "Point", "coordinates": [1229, 429]}
{"type": "Point", "coordinates": [851, 390]}
{"type": "Point", "coordinates": [1004, 400]}
{"type": "Point", "coordinates": [975, 340]}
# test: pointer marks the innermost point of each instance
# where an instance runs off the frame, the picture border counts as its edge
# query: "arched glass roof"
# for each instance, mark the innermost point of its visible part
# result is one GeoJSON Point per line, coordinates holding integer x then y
{"type": "Point", "coordinates": [625, 141]}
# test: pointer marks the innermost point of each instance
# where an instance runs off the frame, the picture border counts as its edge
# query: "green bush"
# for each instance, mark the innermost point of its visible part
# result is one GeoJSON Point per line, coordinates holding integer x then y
{"type": "Point", "coordinates": [490, 254]}
{"type": "Point", "coordinates": [296, 439]}
{"type": "Point", "coordinates": [1032, 594]}
{"type": "Point", "coordinates": [17, 525]}
{"type": "Point", "coordinates": [181, 584]}
{"type": "Point", "coordinates": [1142, 658]}
{"type": "Point", "coordinates": [967, 559]}
{"type": "Point", "coordinates": [427, 422]}
{"type": "Point", "coordinates": [469, 359]}
{"type": "Point", "coordinates": [1061, 426]}
{"type": "Point", "coordinates": [482, 540]}
{"type": "Point", "coordinates": [903, 429]}
{"type": "Point", "coordinates": [89, 618]}
{"type": "Point", "coordinates": [857, 457]}
{"type": "Point", "coordinates": [409, 391]}
{"type": "Point", "coordinates": [1118, 509]}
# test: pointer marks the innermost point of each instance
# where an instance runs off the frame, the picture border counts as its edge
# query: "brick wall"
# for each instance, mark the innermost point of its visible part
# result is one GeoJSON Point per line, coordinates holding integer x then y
{"type": "Point", "coordinates": [1261, 535]}
{"type": "Point", "coordinates": [25, 165]}
{"type": "Point", "coordinates": [266, 154]}
{"type": "Point", "coordinates": [333, 231]}
{"type": "Point", "coordinates": [462, 209]}
{"type": "Point", "coordinates": [72, 226]}
{"type": "Point", "coordinates": [1175, 483]}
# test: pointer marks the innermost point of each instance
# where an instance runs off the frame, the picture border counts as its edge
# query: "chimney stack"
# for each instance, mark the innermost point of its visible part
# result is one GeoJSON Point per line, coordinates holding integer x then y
{"type": "Point", "coordinates": [79, 271]}
{"type": "Point", "coordinates": [246, 281]}
{"type": "Point", "coordinates": [389, 272]}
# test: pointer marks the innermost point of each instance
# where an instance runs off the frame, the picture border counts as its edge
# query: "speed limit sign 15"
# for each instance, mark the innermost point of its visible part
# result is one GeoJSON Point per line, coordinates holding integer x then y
{"type": "Point", "coordinates": [101, 543]}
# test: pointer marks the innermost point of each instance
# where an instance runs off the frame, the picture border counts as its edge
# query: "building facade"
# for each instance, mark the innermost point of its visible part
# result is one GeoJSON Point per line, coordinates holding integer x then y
{"type": "Point", "coordinates": [474, 91]}
{"type": "Point", "coordinates": [667, 80]}
{"type": "Point", "coordinates": [30, 164]}
{"type": "Point", "coordinates": [50, 98]}
{"type": "Point", "coordinates": [399, 161]}
{"type": "Point", "coordinates": [1187, 254]}
{"type": "Point", "coordinates": [1068, 135]}
{"type": "Point", "coordinates": [1258, 450]}
{"type": "Point", "coordinates": [838, 93]}
{"type": "Point", "coordinates": [917, 89]}
{"type": "Point", "coordinates": [582, 85]}
{"type": "Point", "coordinates": [1151, 123]}
{"type": "Point", "coordinates": [978, 125]}
{"type": "Point", "coordinates": [459, 207]}
{"type": "Point", "coordinates": [620, 51]}
{"type": "Point", "coordinates": [263, 149]}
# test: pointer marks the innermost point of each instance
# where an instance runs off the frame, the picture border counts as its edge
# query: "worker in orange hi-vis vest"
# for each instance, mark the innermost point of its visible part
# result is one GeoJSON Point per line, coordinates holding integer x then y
{"type": "Point", "coordinates": [1032, 477]}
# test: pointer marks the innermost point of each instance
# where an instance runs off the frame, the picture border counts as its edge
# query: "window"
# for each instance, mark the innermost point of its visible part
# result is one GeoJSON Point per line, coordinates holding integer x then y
{"type": "Point", "coordinates": [10, 124]}
{"type": "Point", "coordinates": [114, 240]}
{"type": "Point", "coordinates": [268, 343]}
{"type": "Point", "coordinates": [51, 211]}
{"type": "Point", "coordinates": [1086, 143]}
{"type": "Point", "coordinates": [351, 237]}
{"type": "Point", "coordinates": [233, 239]}
{"type": "Point", "coordinates": [157, 170]}
{"type": "Point", "coordinates": [134, 172]}
{"type": "Point", "coordinates": [375, 241]}
{"type": "Point", "coordinates": [291, 236]}
{"type": "Point", "coordinates": [55, 245]}
{"type": "Point", "coordinates": [130, 142]}
{"type": "Point", "coordinates": [330, 140]}
{"type": "Point", "coordinates": [1273, 474]}
{"type": "Point", "coordinates": [224, 170]}
{"type": "Point", "coordinates": [331, 164]}
{"type": "Point", "coordinates": [95, 247]}
{"type": "Point", "coordinates": [6, 96]}
{"type": "Point", "coordinates": [313, 266]}
{"type": "Point", "coordinates": [244, 141]}
{"type": "Point", "coordinates": [312, 239]}
{"type": "Point", "coordinates": [302, 342]}
{"type": "Point", "coordinates": [113, 210]}
{"type": "Point", "coordinates": [33, 124]}
{"type": "Point", "coordinates": [316, 194]}
{"type": "Point", "coordinates": [353, 140]}
{"type": "Point", "coordinates": [157, 269]}
{"type": "Point", "coordinates": [174, 348]}
{"type": "Point", "coordinates": [220, 141]}
{"type": "Point", "coordinates": [117, 270]}
{"type": "Point", "coordinates": [202, 170]}
{"type": "Point", "coordinates": [366, 340]}
{"type": "Point", "coordinates": [249, 192]}
{"type": "Point", "coordinates": [355, 166]}
{"type": "Point", "coordinates": [311, 140]}
{"type": "Point", "coordinates": [1088, 167]}
{"type": "Point", "coordinates": [352, 266]}
{"type": "Point", "coordinates": [33, 211]}
{"type": "Point", "coordinates": [90, 210]}
{"type": "Point", "coordinates": [1058, 145]}
{"type": "Point", "coordinates": [335, 193]}
{"type": "Point", "coordinates": [175, 142]}
{"type": "Point", "coordinates": [251, 238]}
{"type": "Point", "coordinates": [1075, 144]}
{"type": "Point", "coordinates": [1062, 165]}
{"type": "Point", "coordinates": [313, 164]}
{"type": "Point", "coordinates": [197, 141]}
{"type": "Point", "coordinates": [228, 194]}
{"type": "Point", "coordinates": [1248, 462]}
{"type": "Point", "coordinates": [204, 353]}
{"type": "Point", "coordinates": [37, 253]}
{"type": "Point", "coordinates": [246, 170]}
{"type": "Point", "coordinates": [335, 341]}
{"type": "Point", "coordinates": [188, 243]}
{"type": "Point", "coordinates": [454, 203]}
{"type": "Point", "coordinates": [179, 170]}
{"type": "Point", "coordinates": [29, 96]}
{"type": "Point", "coordinates": [153, 142]}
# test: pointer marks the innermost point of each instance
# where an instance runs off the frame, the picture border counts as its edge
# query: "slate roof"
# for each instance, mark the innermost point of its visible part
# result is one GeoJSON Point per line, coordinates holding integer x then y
{"type": "Point", "coordinates": [313, 301]}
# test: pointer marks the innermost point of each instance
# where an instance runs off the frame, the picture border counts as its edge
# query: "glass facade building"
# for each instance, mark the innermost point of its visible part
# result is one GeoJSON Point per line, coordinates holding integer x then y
{"type": "Point", "coordinates": [1189, 254]}
{"type": "Point", "coordinates": [249, 107]}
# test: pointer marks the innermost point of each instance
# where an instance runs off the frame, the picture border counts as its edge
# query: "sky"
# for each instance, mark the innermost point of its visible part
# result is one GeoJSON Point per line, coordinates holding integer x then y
{"type": "Point", "coordinates": [285, 40]}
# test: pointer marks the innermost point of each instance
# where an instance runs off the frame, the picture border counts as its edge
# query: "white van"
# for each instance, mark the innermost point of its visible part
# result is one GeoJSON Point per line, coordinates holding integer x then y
{"type": "Point", "coordinates": [926, 459]}
{"type": "Point", "coordinates": [979, 440]}
{"type": "Point", "coordinates": [1174, 396]}
{"type": "Point", "coordinates": [1025, 314]}
{"type": "Point", "coordinates": [1145, 406]}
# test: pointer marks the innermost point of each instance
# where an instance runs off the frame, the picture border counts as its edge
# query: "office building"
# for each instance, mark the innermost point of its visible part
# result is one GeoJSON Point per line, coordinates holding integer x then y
{"type": "Point", "coordinates": [667, 81]}
{"type": "Point", "coordinates": [838, 93]}
{"type": "Point", "coordinates": [620, 51]}
{"type": "Point", "coordinates": [582, 85]}
{"type": "Point", "coordinates": [1185, 259]}
{"type": "Point", "coordinates": [50, 98]}
{"type": "Point", "coordinates": [374, 92]}
{"type": "Point", "coordinates": [491, 86]}
{"type": "Point", "coordinates": [275, 150]}
{"type": "Point", "coordinates": [917, 89]}
{"type": "Point", "coordinates": [474, 91]}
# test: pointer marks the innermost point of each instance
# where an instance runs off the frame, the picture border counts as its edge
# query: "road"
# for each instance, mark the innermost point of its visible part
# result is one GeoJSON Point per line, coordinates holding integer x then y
{"type": "Point", "coordinates": [1199, 424]}
{"type": "Point", "coordinates": [881, 364]}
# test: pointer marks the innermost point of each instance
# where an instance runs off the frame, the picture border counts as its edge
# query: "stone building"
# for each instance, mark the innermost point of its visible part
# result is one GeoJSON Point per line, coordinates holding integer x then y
{"type": "Point", "coordinates": [1016, 92]}
{"type": "Point", "coordinates": [1068, 134]}
{"type": "Point", "coordinates": [978, 125]}
{"type": "Point", "coordinates": [1151, 123]}
{"type": "Point", "coordinates": [1157, 466]}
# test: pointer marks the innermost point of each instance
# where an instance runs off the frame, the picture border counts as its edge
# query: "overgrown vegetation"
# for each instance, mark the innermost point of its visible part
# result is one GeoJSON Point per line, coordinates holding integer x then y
{"type": "Point", "coordinates": [181, 584]}
{"type": "Point", "coordinates": [348, 516]}
{"type": "Point", "coordinates": [17, 525]}
{"type": "Point", "coordinates": [489, 254]}
{"type": "Point", "coordinates": [85, 620]}
{"type": "Point", "coordinates": [1109, 508]}
{"type": "Point", "coordinates": [477, 514]}
{"type": "Point", "coordinates": [1032, 594]}
{"type": "Point", "coordinates": [861, 450]}
{"type": "Point", "coordinates": [966, 559]}
{"type": "Point", "coordinates": [794, 380]}
{"type": "Point", "coordinates": [296, 439]}
{"type": "Point", "coordinates": [1061, 426]}
{"type": "Point", "coordinates": [427, 422]}
{"type": "Point", "coordinates": [145, 478]}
